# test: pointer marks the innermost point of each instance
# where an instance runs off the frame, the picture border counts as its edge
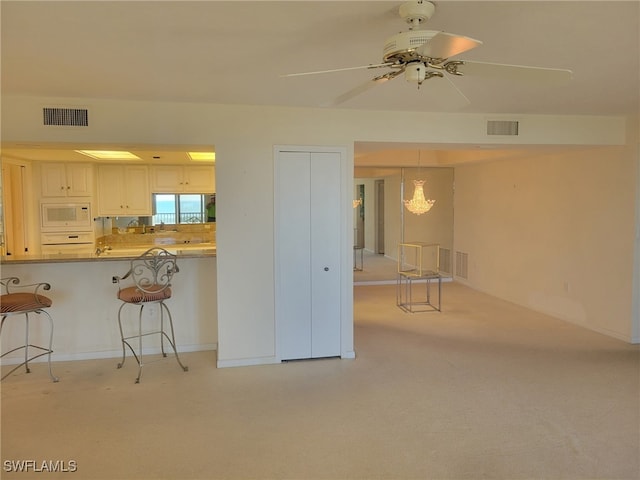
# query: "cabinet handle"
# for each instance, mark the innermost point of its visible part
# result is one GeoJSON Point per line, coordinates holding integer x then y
{"type": "Point", "coordinates": [326, 269]}
{"type": "Point", "coordinates": [68, 188]}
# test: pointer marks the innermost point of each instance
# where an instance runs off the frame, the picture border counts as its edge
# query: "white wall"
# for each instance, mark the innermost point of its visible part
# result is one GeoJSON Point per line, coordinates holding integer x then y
{"type": "Point", "coordinates": [244, 137]}
{"type": "Point", "coordinates": [554, 233]}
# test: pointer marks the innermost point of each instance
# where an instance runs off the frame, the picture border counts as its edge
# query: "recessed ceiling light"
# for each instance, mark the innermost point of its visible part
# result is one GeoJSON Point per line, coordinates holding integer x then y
{"type": "Point", "coordinates": [202, 156]}
{"type": "Point", "coordinates": [109, 154]}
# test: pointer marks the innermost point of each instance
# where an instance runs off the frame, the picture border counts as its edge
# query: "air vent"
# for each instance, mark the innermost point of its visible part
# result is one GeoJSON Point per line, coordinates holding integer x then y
{"type": "Point", "coordinates": [74, 117]}
{"type": "Point", "coordinates": [462, 264]}
{"type": "Point", "coordinates": [502, 127]}
{"type": "Point", "coordinates": [445, 260]}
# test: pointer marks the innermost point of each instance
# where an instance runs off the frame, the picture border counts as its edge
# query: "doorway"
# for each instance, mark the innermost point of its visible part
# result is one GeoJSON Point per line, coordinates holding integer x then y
{"type": "Point", "coordinates": [359, 224]}
{"type": "Point", "coordinates": [14, 224]}
{"type": "Point", "coordinates": [379, 217]}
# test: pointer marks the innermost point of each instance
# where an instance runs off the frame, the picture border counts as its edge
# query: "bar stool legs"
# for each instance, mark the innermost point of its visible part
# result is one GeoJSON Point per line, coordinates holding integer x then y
{"type": "Point", "coordinates": [42, 350]}
{"type": "Point", "coordinates": [151, 274]}
{"type": "Point", "coordinates": [163, 334]}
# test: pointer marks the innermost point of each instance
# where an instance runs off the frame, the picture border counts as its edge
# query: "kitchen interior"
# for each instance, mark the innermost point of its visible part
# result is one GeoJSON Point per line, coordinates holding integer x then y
{"type": "Point", "coordinates": [117, 201]}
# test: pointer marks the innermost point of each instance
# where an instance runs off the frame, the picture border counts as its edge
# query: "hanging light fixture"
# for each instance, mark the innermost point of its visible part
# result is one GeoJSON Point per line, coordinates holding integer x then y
{"type": "Point", "coordinates": [418, 203]}
{"type": "Point", "coordinates": [357, 202]}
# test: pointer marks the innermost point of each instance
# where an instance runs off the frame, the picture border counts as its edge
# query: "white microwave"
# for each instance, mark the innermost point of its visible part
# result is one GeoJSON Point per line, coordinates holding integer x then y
{"type": "Point", "coordinates": [65, 216]}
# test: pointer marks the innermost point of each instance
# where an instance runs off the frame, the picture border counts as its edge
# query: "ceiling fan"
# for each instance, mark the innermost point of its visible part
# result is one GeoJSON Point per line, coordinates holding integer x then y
{"type": "Point", "coordinates": [425, 54]}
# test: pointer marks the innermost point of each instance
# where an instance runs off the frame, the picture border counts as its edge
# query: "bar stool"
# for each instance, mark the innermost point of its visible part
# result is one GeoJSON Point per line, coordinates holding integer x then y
{"type": "Point", "coordinates": [23, 300]}
{"type": "Point", "coordinates": [151, 274]}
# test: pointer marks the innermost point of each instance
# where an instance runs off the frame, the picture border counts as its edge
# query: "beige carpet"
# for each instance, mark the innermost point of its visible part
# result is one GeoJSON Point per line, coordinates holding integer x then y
{"type": "Point", "coordinates": [483, 390]}
{"type": "Point", "coordinates": [374, 268]}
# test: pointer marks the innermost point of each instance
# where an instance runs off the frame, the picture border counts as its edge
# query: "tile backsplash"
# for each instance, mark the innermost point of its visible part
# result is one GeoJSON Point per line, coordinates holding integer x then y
{"type": "Point", "coordinates": [169, 235]}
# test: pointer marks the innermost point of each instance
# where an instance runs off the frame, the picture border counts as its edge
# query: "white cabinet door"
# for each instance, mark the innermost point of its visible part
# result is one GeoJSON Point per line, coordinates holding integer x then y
{"type": "Point", "coordinates": [199, 179]}
{"type": "Point", "coordinates": [308, 281]}
{"type": "Point", "coordinates": [123, 190]}
{"type": "Point", "coordinates": [111, 190]}
{"type": "Point", "coordinates": [67, 180]}
{"type": "Point", "coordinates": [137, 193]}
{"type": "Point", "coordinates": [80, 179]}
{"type": "Point", "coordinates": [183, 179]}
{"type": "Point", "coordinates": [166, 179]}
{"type": "Point", "coordinates": [54, 180]}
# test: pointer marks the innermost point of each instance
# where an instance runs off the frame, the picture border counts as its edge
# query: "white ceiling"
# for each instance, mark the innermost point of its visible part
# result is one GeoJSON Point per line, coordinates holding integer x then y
{"type": "Point", "coordinates": [233, 52]}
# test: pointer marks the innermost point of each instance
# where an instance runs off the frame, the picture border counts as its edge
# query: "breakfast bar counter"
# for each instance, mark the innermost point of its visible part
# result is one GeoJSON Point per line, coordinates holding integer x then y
{"type": "Point", "coordinates": [85, 305]}
{"type": "Point", "coordinates": [191, 251]}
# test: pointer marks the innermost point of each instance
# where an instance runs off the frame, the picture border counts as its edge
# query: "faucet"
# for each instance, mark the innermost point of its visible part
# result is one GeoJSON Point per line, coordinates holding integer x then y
{"type": "Point", "coordinates": [102, 248]}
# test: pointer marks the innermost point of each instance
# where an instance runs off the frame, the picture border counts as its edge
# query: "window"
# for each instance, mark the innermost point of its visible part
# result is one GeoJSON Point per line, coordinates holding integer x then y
{"type": "Point", "coordinates": [174, 208]}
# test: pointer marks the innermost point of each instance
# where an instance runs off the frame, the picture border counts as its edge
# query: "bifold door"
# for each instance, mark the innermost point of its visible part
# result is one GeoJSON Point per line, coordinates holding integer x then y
{"type": "Point", "coordinates": [307, 242]}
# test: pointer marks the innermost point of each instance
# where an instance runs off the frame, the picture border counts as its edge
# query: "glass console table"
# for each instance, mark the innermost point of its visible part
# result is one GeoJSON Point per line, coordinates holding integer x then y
{"type": "Point", "coordinates": [418, 263]}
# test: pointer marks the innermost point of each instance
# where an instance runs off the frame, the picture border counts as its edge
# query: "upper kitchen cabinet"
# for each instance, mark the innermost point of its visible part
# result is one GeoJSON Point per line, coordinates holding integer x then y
{"type": "Point", "coordinates": [67, 179]}
{"type": "Point", "coordinates": [183, 179]}
{"type": "Point", "coordinates": [123, 190]}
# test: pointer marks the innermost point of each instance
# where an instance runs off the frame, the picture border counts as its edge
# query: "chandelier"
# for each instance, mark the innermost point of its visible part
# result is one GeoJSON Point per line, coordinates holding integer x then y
{"type": "Point", "coordinates": [357, 202]}
{"type": "Point", "coordinates": [418, 204]}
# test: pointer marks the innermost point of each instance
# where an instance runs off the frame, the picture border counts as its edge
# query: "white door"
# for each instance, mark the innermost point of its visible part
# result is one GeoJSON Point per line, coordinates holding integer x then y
{"type": "Point", "coordinates": [13, 203]}
{"type": "Point", "coordinates": [308, 289]}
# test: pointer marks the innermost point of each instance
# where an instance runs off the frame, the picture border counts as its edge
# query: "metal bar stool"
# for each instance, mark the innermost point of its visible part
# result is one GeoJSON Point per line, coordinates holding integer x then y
{"type": "Point", "coordinates": [151, 274]}
{"type": "Point", "coordinates": [23, 300]}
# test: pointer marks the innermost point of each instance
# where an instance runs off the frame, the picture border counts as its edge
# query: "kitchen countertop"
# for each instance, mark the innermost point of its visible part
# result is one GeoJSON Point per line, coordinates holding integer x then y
{"type": "Point", "coordinates": [190, 251]}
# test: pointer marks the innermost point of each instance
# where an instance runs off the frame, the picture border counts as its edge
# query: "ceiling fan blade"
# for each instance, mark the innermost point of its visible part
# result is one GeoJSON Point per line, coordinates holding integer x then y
{"type": "Point", "coordinates": [458, 91]}
{"type": "Point", "coordinates": [354, 92]}
{"type": "Point", "coordinates": [445, 45]}
{"type": "Point", "coordinates": [514, 72]}
{"type": "Point", "coordinates": [379, 65]}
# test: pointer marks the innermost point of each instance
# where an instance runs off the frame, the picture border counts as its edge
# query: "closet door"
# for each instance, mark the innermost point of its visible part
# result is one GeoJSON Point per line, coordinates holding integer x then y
{"type": "Point", "coordinates": [325, 254]}
{"type": "Point", "coordinates": [307, 211]}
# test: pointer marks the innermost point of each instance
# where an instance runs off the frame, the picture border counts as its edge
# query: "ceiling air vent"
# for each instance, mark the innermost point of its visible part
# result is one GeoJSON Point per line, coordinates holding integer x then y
{"type": "Point", "coordinates": [502, 127]}
{"type": "Point", "coordinates": [74, 117]}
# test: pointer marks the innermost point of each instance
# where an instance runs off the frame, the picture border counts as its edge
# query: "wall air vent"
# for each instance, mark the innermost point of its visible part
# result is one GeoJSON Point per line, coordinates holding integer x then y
{"type": "Point", "coordinates": [462, 264]}
{"type": "Point", "coordinates": [74, 117]}
{"type": "Point", "coordinates": [502, 127]}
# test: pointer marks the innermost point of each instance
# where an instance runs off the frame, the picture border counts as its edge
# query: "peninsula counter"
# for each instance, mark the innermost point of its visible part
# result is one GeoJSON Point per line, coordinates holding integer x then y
{"type": "Point", "coordinates": [85, 306]}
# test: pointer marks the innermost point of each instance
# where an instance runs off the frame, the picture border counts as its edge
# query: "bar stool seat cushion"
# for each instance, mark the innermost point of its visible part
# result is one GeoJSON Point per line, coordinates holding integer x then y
{"type": "Point", "coordinates": [23, 302]}
{"type": "Point", "coordinates": [155, 293]}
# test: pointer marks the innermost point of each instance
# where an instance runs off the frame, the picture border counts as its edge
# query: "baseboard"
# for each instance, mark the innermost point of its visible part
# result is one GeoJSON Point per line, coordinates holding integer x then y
{"type": "Point", "coordinates": [247, 362]}
{"type": "Point", "coordinates": [71, 357]}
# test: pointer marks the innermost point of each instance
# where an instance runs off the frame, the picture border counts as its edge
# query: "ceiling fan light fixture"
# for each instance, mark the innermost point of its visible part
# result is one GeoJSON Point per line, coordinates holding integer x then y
{"type": "Point", "coordinates": [415, 72]}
